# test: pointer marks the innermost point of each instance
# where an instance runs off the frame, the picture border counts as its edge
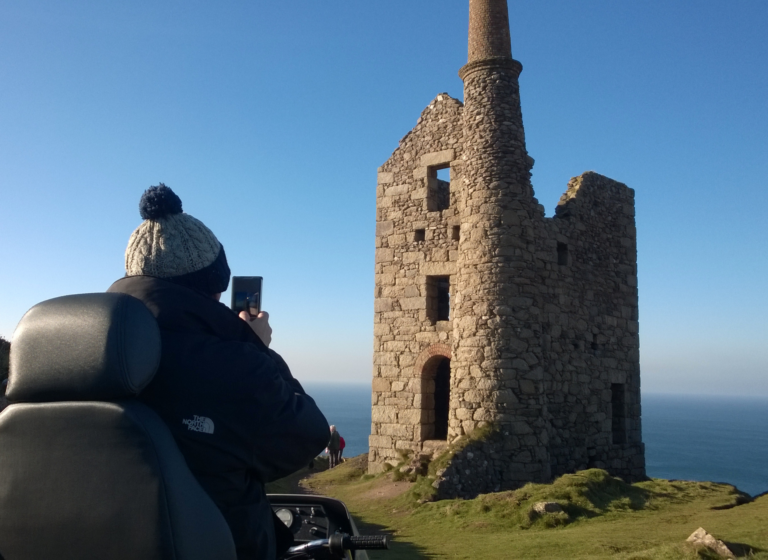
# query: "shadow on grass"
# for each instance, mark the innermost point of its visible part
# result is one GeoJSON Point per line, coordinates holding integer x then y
{"type": "Point", "coordinates": [741, 550]}
{"type": "Point", "coordinates": [593, 492]}
{"type": "Point", "coordinates": [613, 493]}
{"type": "Point", "coordinates": [398, 550]}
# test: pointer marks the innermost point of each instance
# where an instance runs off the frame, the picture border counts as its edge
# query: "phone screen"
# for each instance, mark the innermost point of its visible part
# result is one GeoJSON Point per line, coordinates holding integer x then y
{"type": "Point", "coordinates": [246, 294]}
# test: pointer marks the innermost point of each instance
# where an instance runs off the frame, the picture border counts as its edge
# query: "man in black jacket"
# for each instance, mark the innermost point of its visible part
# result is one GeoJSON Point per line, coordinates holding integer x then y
{"type": "Point", "coordinates": [238, 415]}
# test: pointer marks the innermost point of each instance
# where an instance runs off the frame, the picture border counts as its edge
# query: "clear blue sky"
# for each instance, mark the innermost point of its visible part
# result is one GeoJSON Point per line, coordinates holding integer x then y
{"type": "Point", "coordinates": [269, 119]}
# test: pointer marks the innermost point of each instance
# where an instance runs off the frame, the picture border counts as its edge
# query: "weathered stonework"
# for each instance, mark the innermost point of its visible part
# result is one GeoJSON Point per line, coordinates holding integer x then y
{"type": "Point", "coordinates": [486, 311]}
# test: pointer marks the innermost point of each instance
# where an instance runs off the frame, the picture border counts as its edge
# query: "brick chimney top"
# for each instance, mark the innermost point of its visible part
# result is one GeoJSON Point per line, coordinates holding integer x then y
{"type": "Point", "coordinates": [488, 30]}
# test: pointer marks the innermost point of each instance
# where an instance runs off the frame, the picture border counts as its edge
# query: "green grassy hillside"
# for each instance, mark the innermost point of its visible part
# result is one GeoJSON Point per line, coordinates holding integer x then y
{"type": "Point", "coordinates": [601, 517]}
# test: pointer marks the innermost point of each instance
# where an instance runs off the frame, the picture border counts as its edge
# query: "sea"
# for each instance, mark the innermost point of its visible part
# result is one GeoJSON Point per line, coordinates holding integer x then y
{"type": "Point", "coordinates": [704, 438]}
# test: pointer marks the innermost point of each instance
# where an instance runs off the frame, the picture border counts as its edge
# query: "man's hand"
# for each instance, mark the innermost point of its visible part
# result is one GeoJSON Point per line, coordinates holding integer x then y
{"type": "Point", "coordinates": [260, 325]}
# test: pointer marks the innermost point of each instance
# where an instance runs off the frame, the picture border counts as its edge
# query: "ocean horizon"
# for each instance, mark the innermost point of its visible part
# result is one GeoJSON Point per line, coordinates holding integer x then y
{"type": "Point", "coordinates": [687, 437]}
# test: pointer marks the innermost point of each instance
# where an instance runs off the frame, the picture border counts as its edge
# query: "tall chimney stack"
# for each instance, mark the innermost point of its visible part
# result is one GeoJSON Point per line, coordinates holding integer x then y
{"type": "Point", "coordinates": [496, 292]}
{"type": "Point", "coordinates": [488, 30]}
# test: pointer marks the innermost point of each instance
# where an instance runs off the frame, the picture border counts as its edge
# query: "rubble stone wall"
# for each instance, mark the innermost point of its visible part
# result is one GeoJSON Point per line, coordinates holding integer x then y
{"type": "Point", "coordinates": [402, 329]}
{"type": "Point", "coordinates": [494, 373]}
{"type": "Point", "coordinates": [590, 328]}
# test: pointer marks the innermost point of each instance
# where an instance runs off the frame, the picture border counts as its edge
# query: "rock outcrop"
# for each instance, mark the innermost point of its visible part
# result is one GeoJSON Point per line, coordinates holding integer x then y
{"type": "Point", "coordinates": [700, 538]}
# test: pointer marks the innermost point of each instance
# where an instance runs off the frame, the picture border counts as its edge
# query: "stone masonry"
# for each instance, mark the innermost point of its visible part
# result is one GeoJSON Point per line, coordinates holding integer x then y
{"type": "Point", "coordinates": [489, 313]}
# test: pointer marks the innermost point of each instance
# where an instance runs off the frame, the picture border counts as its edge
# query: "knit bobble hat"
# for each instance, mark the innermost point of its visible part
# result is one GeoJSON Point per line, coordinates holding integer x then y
{"type": "Point", "coordinates": [172, 245]}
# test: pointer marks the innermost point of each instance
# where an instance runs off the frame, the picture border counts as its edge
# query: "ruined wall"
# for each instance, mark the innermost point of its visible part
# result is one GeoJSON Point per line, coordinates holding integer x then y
{"type": "Point", "coordinates": [407, 193]}
{"type": "Point", "coordinates": [586, 279]}
{"type": "Point", "coordinates": [588, 254]}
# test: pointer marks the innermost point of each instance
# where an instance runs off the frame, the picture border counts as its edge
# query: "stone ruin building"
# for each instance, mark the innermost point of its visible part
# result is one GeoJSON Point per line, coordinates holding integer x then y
{"type": "Point", "coordinates": [488, 313]}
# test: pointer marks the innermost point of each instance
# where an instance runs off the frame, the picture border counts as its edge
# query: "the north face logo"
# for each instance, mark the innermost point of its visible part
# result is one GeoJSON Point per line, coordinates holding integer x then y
{"type": "Point", "coordinates": [199, 424]}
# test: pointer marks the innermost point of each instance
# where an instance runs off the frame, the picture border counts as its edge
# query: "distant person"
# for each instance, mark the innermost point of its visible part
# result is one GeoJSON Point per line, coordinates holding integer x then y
{"type": "Point", "coordinates": [334, 448]}
{"type": "Point", "coordinates": [5, 351]}
{"type": "Point", "coordinates": [3, 400]}
{"type": "Point", "coordinates": [342, 445]}
{"type": "Point", "coordinates": [237, 414]}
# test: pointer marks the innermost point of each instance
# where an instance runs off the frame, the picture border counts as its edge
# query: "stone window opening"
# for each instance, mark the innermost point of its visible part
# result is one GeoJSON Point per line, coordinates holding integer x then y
{"type": "Point", "coordinates": [455, 232]}
{"type": "Point", "coordinates": [435, 398]}
{"type": "Point", "coordinates": [562, 254]}
{"type": "Point", "coordinates": [438, 188]}
{"type": "Point", "coordinates": [419, 235]}
{"type": "Point", "coordinates": [438, 298]}
{"type": "Point", "coordinates": [618, 414]}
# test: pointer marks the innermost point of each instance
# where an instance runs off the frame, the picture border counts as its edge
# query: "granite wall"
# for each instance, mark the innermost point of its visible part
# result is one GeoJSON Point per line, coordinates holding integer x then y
{"type": "Point", "coordinates": [489, 314]}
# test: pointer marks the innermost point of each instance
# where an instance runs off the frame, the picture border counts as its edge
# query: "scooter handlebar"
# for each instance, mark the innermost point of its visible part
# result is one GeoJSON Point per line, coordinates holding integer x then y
{"type": "Point", "coordinates": [340, 543]}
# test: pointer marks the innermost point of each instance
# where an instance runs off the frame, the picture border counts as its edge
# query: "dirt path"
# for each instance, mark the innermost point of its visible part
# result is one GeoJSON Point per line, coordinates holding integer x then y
{"type": "Point", "coordinates": [292, 484]}
{"type": "Point", "coordinates": [387, 490]}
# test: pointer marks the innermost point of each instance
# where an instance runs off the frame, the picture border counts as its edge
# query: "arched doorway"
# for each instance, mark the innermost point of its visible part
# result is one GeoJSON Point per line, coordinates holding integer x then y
{"type": "Point", "coordinates": [442, 397]}
{"type": "Point", "coordinates": [434, 368]}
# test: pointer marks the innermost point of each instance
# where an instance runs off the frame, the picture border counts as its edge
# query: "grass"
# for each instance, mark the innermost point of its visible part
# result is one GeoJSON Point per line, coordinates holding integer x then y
{"type": "Point", "coordinates": [602, 517]}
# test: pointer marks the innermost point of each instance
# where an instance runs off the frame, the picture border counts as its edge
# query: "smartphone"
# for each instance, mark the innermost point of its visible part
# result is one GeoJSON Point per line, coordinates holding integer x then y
{"type": "Point", "coordinates": [246, 294]}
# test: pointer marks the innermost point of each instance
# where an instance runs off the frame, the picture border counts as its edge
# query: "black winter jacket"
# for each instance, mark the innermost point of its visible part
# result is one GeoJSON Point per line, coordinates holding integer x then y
{"type": "Point", "coordinates": [237, 413]}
